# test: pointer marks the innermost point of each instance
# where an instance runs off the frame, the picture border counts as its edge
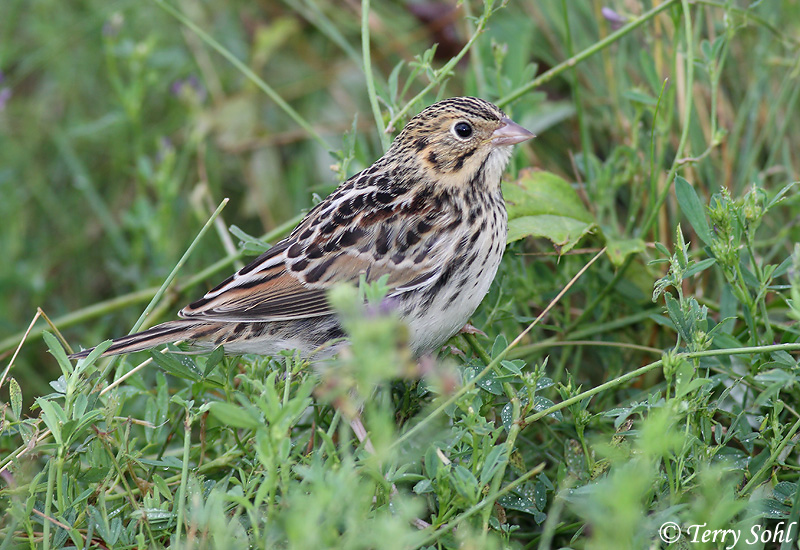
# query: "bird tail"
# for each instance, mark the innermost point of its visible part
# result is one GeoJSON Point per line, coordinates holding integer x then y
{"type": "Point", "coordinates": [165, 333]}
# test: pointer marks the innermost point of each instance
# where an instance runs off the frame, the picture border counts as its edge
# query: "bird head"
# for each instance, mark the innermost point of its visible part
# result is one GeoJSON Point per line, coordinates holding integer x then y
{"type": "Point", "coordinates": [459, 141]}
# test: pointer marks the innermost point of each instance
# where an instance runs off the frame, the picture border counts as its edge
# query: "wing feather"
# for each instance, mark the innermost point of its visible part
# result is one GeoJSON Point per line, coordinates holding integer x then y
{"type": "Point", "coordinates": [362, 228]}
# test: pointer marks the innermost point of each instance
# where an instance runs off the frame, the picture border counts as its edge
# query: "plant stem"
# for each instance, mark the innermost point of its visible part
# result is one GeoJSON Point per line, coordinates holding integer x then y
{"type": "Point", "coordinates": [246, 71]}
{"type": "Point", "coordinates": [579, 113]}
{"type": "Point", "coordinates": [187, 439]}
{"type": "Point", "coordinates": [647, 368]}
{"type": "Point", "coordinates": [771, 460]}
{"type": "Point", "coordinates": [445, 70]}
{"type": "Point", "coordinates": [370, 79]}
{"type": "Point", "coordinates": [651, 218]}
{"type": "Point", "coordinates": [588, 52]}
{"type": "Point", "coordinates": [447, 528]}
{"type": "Point", "coordinates": [48, 504]}
{"type": "Point", "coordinates": [687, 120]}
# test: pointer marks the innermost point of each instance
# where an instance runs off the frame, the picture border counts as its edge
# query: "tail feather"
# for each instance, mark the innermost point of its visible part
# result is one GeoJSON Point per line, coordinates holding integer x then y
{"type": "Point", "coordinates": [165, 333]}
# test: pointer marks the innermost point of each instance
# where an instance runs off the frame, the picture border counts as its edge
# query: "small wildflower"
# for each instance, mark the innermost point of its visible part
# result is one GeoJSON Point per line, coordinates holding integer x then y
{"type": "Point", "coordinates": [5, 95]}
{"type": "Point", "coordinates": [388, 305]}
{"type": "Point", "coordinates": [189, 89]}
{"type": "Point", "coordinates": [113, 25]}
{"type": "Point", "coordinates": [616, 20]}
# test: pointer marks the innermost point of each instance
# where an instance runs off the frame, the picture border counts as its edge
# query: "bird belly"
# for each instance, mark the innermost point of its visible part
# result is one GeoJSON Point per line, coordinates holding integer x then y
{"type": "Point", "coordinates": [432, 323]}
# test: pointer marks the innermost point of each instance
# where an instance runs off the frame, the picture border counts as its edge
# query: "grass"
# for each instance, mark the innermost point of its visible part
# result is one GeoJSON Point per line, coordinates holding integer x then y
{"type": "Point", "coordinates": [640, 366]}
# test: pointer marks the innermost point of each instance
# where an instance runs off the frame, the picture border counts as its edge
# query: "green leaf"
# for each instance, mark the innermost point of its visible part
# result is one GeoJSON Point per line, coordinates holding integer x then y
{"type": "Point", "coordinates": [494, 460]}
{"type": "Point", "coordinates": [162, 486]}
{"type": "Point", "coordinates": [542, 204]}
{"type": "Point", "coordinates": [249, 242]}
{"type": "Point", "coordinates": [515, 366]}
{"type": "Point", "coordinates": [784, 359]}
{"type": "Point", "coordinates": [675, 313]}
{"type": "Point", "coordinates": [784, 267]}
{"type": "Point", "coordinates": [542, 404]}
{"type": "Point", "coordinates": [83, 423]}
{"type": "Point", "coordinates": [563, 232]}
{"type": "Point", "coordinates": [186, 370]}
{"type": "Point", "coordinates": [692, 208]}
{"type": "Point", "coordinates": [231, 415]}
{"type": "Point", "coordinates": [750, 279]}
{"type": "Point", "coordinates": [432, 462]}
{"type": "Point", "coordinates": [488, 383]}
{"type": "Point", "coordinates": [776, 375]}
{"type": "Point", "coordinates": [519, 503]}
{"type": "Point", "coordinates": [15, 393]}
{"type": "Point", "coordinates": [764, 397]}
{"type": "Point", "coordinates": [58, 352]}
{"type": "Point", "coordinates": [702, 265]}
{"type": "Point", "coordinates": [214, 358]}
{"type": "Point", "coordinates": [424, 486]}
{"type": "Point", "coordinates": [168, 462]}
{"type": "Point", "coordinates": [688, 387]}
{"type": "Point", "coordinates": [393, 80]}
{"type": "Point", "coordinates": [465, 483]}
{"type": "Point", "coordinates": [725, 341]}
{"type": "Point", "coordinates": [79, 406]}
{"type": "Point", "coordinates": [638, 96]}
{"type": "Point", "coordinates": [779, 196]}
{"type": "Point", "coordinates": [619, 250]}
{"type": "Point", "coordinates": [662, 249]}
{"type": "Point", "coordinates": [784, 490]}
{"type": "Point", "coordinates": [500, 344]}
{"type": "Point", "coordinates": [92, 357]}
{"type": "Point", "coordinates": [53, 416]}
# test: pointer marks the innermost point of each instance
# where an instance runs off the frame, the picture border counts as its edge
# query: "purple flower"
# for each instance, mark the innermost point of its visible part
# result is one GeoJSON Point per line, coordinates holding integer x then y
{"type": "Point", "coordinates": [613, 17]}
{"type": "Point", "coordinates": [8, 477]}
{"type": "Point", "coordinates": [5, 95]}
{"type": "Point", "coordinates": [189, 88]}
{"type": "Point", "coordinates": [113, 25]}
{"type": "Point", "coordinates": [388, 305]}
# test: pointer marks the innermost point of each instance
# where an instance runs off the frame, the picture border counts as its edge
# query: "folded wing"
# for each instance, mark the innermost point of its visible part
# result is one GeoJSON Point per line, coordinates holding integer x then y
{"type": "Point", "coordinates": [361, 228]}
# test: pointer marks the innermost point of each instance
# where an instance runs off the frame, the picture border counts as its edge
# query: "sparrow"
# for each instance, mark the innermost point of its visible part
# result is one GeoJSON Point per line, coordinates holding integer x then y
{"type": "Point", "coordinates": [429, 215]}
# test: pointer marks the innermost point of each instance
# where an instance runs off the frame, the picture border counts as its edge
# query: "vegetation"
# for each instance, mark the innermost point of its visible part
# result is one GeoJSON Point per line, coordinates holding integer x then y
{"type": "Point", "coordinates": [640, 364]}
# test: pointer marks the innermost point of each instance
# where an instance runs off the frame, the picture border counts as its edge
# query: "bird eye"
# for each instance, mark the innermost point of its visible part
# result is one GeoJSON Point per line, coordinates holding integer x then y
{"type": "Point", "coordinates": [462, 129]}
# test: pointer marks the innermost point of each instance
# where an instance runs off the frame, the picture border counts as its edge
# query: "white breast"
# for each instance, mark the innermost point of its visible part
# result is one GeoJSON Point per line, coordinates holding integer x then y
{"type": "Point", "coordinates": [434, 323]}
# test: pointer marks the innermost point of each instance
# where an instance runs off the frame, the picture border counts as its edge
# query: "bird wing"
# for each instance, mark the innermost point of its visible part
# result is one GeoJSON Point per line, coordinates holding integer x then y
{"type": "Point", "coordinates": [264, 290]}
{"type": "Point", "coordinates": [365, 227]}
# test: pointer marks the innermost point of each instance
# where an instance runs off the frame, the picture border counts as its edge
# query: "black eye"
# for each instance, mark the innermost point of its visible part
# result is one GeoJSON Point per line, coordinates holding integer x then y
{"type": "Point", "coordinates": [463, 130]}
